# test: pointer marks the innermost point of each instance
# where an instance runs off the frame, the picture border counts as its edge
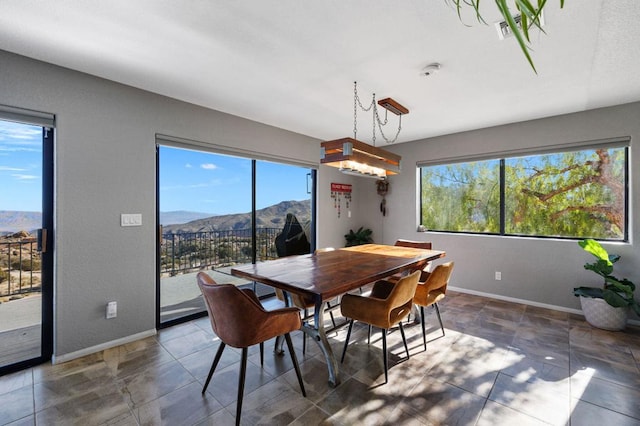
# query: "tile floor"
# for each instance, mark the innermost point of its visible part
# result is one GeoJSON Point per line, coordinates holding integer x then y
{"type": "Point", "coordinates": [499, 364]}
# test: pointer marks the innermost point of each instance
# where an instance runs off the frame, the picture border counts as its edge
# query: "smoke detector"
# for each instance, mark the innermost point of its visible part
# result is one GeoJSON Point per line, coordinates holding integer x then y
{"type": "Point", "coordinates": [430, 69]}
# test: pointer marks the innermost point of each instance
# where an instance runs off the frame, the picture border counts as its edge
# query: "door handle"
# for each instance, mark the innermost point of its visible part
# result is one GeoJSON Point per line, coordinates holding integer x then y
{"type": "Point", "coordinates": [42, 240]}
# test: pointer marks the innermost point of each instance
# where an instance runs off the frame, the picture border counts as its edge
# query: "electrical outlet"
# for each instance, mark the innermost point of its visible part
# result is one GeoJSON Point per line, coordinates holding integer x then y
{"type": "Point", "coordinates": [498, 276]}
{"type": "Point", "coordinates": [112, 310]}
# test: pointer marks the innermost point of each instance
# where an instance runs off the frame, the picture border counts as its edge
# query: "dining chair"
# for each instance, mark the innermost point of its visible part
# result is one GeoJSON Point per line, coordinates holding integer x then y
{"type": "Point", "coordinates": [431, 291]}
{"type": "Point", "coordinates": [424, 245]}
{"type": "Point", "coordinates": [387, 305]}
{"type": "Point", "coordinates": [240, 321]}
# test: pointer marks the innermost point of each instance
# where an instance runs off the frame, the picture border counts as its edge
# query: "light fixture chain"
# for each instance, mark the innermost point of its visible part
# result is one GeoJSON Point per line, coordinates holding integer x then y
{"type": "Point", "coordinates": [355, 110]}
{"type": "Point", "coordinates": [375, 113]}
{"type": "Point", "coordinates": [355, 92]}
{"type": "Point", "coordinates": [376, 117]}
{"type": "Point", "coordinates": [380, 124]}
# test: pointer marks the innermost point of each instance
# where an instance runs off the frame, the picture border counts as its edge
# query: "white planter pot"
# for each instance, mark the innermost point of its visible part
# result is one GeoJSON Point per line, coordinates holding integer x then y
{"type": "Point", "coordinates": [600, 314]}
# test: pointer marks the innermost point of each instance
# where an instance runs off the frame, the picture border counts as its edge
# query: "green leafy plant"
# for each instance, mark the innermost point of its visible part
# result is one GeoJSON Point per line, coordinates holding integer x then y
{"type": "Point", "coordinates": [530, 12]}
{"type": "Point", "coordinates": [361, 236]}
{"type": "Point", "coordinates": [616, 292]}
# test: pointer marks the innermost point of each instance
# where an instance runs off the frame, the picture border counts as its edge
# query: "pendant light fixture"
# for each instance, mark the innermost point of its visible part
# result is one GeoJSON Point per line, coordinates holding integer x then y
{"type": "Point", "coordinates": [355, 157]}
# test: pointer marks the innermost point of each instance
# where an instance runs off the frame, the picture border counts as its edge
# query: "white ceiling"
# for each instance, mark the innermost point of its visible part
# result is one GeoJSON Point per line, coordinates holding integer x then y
{"type": "Point", "coordinates": [292, 63]}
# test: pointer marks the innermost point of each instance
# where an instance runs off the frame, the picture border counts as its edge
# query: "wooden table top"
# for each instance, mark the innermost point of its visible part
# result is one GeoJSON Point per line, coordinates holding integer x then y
{"type": "Point", "coordinates": [325, 275]}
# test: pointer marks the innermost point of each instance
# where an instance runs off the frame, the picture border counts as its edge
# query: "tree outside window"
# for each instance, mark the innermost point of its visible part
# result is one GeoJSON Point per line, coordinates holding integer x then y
{"type": "Point", "coordinates": [576, 194]}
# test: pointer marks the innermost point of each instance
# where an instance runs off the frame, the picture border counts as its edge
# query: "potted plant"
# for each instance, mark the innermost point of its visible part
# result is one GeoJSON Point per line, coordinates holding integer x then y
{"type": "Point", "coordinates": [606, 307]}
{"type": "Point", "coordinates": [361, 236]}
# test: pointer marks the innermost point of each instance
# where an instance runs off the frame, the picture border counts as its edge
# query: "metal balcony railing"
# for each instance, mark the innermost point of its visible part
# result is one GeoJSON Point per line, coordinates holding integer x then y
{"type": "Point", "coordinates": [20, 262]}
{"type": "Point", "coordinates": [20, 267]}
{"type": "Point", "coordinates": [187, 252]}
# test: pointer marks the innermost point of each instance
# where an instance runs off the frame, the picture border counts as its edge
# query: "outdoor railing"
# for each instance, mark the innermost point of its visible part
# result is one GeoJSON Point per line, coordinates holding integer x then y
{"type": "Point", "coordinates": [191, 251]}
{"type": "Point", "coordinates": [20, 267]}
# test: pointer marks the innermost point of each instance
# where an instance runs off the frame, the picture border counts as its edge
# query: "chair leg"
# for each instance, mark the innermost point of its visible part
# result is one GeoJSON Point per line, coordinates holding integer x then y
{"type": "Point", "coordinates": [304, 343]}
{"type": "Point", "coordinates": [346, 342]}
{"type": "Point", "coordinates": [439, 318]}
{"type": "Point", "coordinates": [262, 354]}
{"type": "Point", "coordinates": [369, 336]}
{"type": "Point", "coordinates": [296, 366]}
{"type": "Point", "coordinates": [216, 359]}
{"type": "Point", "coordinates": [424, 331]}
{"type": "Point", "coordinates": [404, 339]}
{"type": "Point", "coordinates": [385, 360]}
{"type": "Point", "coordinates": [333, 320]}
{"type": "Point", "coordinates": [304, 336]}
{"type": "Point", "coordinates": [243, 374]}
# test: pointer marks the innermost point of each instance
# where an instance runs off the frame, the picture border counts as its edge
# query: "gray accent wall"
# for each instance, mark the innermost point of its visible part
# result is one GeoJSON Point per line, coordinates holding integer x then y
{"type": "Point", "coordinates": [542, 271]}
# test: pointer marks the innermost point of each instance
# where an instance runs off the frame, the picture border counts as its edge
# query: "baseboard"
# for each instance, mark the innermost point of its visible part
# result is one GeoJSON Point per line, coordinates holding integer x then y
{"type": "Point", "coordinates": [58, 359]}
{"type": "Point", "coordinates": [527, 302]}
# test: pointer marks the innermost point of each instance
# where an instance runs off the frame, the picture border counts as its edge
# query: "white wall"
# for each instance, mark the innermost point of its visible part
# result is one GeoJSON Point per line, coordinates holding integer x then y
{"type": "Point", "coordinates": [538, 270]}
{"type": "Point", "coordinates": [105, 166]}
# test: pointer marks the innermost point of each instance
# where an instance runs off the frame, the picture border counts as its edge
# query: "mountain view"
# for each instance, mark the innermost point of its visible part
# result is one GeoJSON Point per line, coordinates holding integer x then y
{"type": "Point", "coordinates": [181, 216]}
{"type": "Point", "coordinates": [269, 217]}
{"type": "Point", "coordinates": [15, 221]}
{"type": "Point", "coordinates": [181, 221]}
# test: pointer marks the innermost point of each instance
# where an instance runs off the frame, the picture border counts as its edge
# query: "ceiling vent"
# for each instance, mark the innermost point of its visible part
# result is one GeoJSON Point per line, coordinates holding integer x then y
{"type": "Point", "coordinates": [504, 31]}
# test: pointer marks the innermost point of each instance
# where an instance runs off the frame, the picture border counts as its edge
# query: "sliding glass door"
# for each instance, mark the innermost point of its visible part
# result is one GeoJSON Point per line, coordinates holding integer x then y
{"type": "Point", "coordinates": [26, 222]}
{"type": "Point", "coordinates": [216, 211]}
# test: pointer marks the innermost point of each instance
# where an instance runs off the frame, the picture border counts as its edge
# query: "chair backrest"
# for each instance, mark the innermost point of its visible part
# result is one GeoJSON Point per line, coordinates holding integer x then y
{"type": "Point", "coordinates": [426, 245]}
{"type": "Point", "coordinates": [439, 278]}
{"type": "Point", "coordinates": [235, 316]}
{"type": "Point", "coordinates": [404, 290]}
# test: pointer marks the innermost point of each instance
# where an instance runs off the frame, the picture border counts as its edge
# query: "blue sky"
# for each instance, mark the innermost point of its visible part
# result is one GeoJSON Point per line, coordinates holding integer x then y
{"type": "Point", "coordinates": [20, 167]}
{"type": "Point", "coordinates": [220, 184]}
{"type": "Point", "coordinates": [189, 180]}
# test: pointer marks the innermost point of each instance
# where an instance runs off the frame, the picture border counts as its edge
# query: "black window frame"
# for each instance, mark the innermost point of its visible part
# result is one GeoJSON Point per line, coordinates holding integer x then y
{"type": "Point", "coordinates": [618, 143]}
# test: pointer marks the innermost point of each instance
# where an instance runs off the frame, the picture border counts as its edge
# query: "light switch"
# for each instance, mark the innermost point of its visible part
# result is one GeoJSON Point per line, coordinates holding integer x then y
{"type": "Point", "coordinates": [131, 219]}
{"type": "Point", "coordinates": [112, 310]}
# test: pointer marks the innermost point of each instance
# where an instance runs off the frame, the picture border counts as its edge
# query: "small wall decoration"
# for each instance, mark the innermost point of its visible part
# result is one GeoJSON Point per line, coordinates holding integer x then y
{"type": "Point", "coordinates": [383, 188]}
{"type": "Point", "coordinates": [339, 191]}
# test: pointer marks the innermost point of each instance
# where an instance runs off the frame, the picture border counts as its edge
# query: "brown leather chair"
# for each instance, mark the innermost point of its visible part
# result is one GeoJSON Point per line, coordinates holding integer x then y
{"type": "Point", "coordinates": [387, 305]}
{"type": "Point", "coordinates": [431, 290]}
{"type": "Point", "coordinates": [239, 320]}
{"type": "Point", "coordinates": [426, 245]}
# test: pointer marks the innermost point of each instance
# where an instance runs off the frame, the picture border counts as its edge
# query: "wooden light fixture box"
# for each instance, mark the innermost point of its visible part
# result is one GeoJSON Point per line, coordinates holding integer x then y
{"type": "Point", "coordinates": [349, 149]}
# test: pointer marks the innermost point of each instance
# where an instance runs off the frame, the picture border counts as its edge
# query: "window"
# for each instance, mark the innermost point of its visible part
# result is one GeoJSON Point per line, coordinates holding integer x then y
{"type": "Point", "coordinates": [217, 211]}
{"type": "Point", "coordinates": [572, 194]}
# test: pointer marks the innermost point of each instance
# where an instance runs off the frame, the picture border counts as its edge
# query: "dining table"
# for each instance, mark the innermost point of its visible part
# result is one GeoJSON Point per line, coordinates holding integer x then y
{"type": "Point", "coordinates": [325, 275]}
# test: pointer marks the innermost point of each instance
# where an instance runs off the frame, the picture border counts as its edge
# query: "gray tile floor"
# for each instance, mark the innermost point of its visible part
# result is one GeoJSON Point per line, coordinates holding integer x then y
{"type": "Point", "coordinates": [499, 364]}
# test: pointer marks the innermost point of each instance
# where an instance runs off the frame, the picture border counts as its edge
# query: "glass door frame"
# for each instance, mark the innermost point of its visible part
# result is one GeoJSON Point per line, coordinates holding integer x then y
{"type": "Point", "coordinates": [199, 147]}
{"type": "Point", "coordinates": [45, 246]}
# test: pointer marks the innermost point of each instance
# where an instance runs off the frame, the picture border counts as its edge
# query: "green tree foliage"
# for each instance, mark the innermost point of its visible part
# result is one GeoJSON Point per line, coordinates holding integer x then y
{"type": "Point", "coordinates": [568, 194]}
{"type": "Point", "coordinates": [571, 194]}
{"type": "Point", "coordinates": [462, 197]}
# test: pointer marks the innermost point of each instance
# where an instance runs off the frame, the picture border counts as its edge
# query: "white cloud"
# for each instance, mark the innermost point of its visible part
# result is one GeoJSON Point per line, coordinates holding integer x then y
{"type": "Point", "coordinates": [17, 137]}
{"type": "Point", "coordinates": [188, 166]}
{"type": "Point", "coordinates": [208, 166]}
{"type": "Point", "coordinates": [11, 169]}
{"type": "Point", "coordinates": [25, 177]}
